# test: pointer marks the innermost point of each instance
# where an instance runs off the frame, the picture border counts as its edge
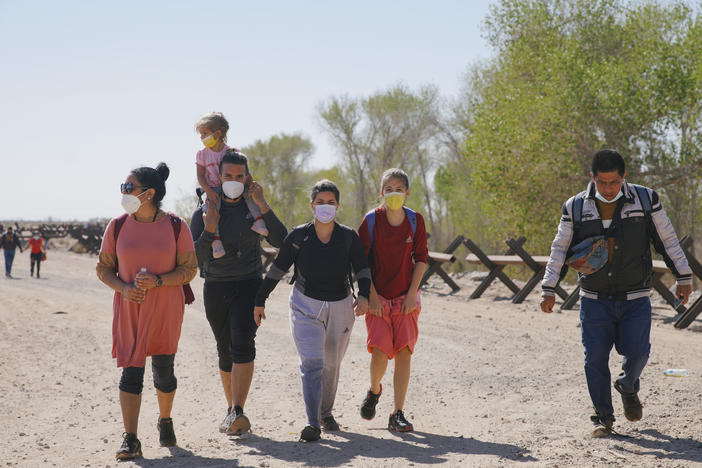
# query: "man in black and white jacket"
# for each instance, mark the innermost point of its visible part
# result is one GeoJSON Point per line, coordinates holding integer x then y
{"type": "Point", "coordinates": [615, 307]}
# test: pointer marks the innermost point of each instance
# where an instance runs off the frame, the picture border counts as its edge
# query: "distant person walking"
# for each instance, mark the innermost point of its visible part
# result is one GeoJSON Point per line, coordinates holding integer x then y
{"type": "Point", "coordinates": [37, 253]}
{"type": "Point", "coordinates": [605, 234]}
{"type": "Point", "coordinates": [231, 280]}
{"type": "Point", "coordinates": [395, 240]}
{"type": "Point", "coordinates": [321, 304]}
{"type": "Point", "coordinates": [9, 243]}
{"type": "Point", "coordinates": [147, 256]}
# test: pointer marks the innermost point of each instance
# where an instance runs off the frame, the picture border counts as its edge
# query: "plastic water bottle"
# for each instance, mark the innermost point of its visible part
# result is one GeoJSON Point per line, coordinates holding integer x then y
{"type": "Point", "coordinates": [143, 270]}
{"type": "Point", "coordinates": [676, 372]}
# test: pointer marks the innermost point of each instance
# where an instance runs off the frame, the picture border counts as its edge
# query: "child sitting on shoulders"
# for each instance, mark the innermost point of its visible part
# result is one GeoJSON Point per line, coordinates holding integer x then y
{"type": "Point", "coordinates": [213, 129]}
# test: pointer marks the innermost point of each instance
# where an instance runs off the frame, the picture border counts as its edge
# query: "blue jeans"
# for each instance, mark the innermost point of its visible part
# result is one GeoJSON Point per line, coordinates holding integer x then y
{"type": "Point", "coordinates": [9, 258]}
{"type": "Point", "coordinates": [627, 326]}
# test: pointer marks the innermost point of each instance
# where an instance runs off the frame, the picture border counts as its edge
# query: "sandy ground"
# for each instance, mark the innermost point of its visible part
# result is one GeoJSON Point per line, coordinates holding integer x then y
{"type": "Point", "coordinates": [494, 384]}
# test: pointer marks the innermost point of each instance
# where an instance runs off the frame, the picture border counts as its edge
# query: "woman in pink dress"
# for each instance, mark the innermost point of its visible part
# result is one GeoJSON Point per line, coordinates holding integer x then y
{"type": "Point", "coordinates": [147, 256]}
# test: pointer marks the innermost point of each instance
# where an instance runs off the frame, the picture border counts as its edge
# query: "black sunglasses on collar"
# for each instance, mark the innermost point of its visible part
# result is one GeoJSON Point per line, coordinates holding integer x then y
{"type": "Point", "coordinates": [129, 187]}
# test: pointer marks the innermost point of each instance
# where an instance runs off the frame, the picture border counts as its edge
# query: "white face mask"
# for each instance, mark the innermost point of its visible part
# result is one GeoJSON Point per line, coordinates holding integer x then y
{"type": "Point", "coordinates": [603, 199]}
{"type": "Point", "coordinates": [36, 237]}
{"type": "Point", "coordinates": [131, 203]}
{"type": "Point", "coordinates": [325, 213]}
{"type": "Point", "coordinates": [232, 189]}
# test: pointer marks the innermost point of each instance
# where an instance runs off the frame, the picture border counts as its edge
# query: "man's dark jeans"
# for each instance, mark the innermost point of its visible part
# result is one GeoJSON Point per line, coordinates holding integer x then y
{"type": "Point", "coordinates": [9, 258]}
{"type": "Point", "coordinates": [627, 326]}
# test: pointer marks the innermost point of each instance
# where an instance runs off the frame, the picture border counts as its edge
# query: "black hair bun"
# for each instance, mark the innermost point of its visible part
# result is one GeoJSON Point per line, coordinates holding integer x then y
{"type": "Point", "coordinates": [163, 170]}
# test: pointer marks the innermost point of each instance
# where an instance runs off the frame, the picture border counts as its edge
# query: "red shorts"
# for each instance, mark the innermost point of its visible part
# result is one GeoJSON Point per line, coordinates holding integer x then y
{"type": "Point", "coordinates": [394, 330]}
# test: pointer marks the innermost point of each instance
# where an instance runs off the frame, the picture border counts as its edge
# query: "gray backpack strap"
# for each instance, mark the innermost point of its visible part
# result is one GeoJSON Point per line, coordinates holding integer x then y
{"type": "Point", "coordinates": [370, 222]}
{"type": "Point", "coordinates": [644, 199]}
{"type": "Point", "coordinates": [348, 240]}
{"type": "Point", "coordinates": [577, 211]}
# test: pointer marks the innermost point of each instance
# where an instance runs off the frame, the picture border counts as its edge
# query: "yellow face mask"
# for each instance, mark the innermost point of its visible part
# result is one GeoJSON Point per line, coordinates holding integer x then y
{"type": "Point", "coordinates": [210, 141]}
{"type": "Point", "coordinates": [394, 200]}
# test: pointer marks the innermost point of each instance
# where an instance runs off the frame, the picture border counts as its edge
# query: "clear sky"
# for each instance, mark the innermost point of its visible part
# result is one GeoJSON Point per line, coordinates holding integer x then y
{"type": "Point", "coordinates": [92, 89]}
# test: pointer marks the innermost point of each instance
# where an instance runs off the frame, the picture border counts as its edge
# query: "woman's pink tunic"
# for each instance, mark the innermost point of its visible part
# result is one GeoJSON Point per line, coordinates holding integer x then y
{"type": "Point", "coordinates": [152, 327]}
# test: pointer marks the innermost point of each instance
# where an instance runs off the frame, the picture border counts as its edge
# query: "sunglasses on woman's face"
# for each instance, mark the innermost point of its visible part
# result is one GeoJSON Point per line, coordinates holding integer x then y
{"type": "Point", "coordinates": [128, 187]}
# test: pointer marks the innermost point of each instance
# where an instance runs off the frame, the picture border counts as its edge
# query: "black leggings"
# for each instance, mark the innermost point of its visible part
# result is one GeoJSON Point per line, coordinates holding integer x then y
{"type": "Point", "coordinates": [229, 308]}
{"type": "Point", "coordinates": [132, 380]}
{"type": "Point", "coordinates": [35, 258]}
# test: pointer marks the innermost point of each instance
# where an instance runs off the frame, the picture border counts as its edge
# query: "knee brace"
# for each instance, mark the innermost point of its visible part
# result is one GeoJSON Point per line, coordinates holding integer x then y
{"type": "Point", "coordinates": [164, 376]}
{"type": "Point", "coordinates": [132, 380]}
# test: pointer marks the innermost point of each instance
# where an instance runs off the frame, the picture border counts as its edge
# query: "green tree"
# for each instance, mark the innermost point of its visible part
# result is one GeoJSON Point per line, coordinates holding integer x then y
{"type": "Point", "coordinates": [185, 203]}
{"type": "Point", "coordinates": [391, 128]}
{"type": "Point", "coordinates": [570, 77]}
{"type": "Point", "coordinates": [280, 164]}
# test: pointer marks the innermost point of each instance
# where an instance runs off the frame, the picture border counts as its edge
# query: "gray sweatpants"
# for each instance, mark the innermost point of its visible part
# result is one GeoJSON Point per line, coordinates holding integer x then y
{"type": "Point", "coordinates": [321, 331]}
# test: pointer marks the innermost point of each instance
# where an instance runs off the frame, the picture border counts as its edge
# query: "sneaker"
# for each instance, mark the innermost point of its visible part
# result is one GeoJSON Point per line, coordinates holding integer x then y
{"type": "Point", "coordinates": [603, 425]}
{"type": "Point", "coordinates": [310, 434]}
{"type": "Point", "coordinates": [368, 406]}
{"type": "Point", "coordinates": [131, 447]}
{"type": "Point", "coordinates": [633, 410]}
{"type": "Point", "coordinates": [166, 434]}
{"type": "Point", "coordinates": [329, 424]}
{"type": "Point", "coordinates": [259, 227]}
{"type": "Point", "coordinates": [224, 425]}
{"type": "Point", "coordinates": [397, 422]}
{"type": "Point", "coordinates": [218, 248]}
{"type": "Point", "coordinates": [236, 425]}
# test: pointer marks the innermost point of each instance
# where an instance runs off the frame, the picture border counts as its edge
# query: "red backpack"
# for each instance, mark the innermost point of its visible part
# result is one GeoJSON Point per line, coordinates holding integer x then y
{"type": "Point", "coordinates": [175, 224]}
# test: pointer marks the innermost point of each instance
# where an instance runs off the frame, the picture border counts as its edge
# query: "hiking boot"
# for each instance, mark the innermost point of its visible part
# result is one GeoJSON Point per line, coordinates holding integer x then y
{"type": "Point", "coordinates": [633, 410]}
{"type": "Point", "coordinates": [368, 406]}
{"type": "Point", "coordinates": [166, 434]}
{"type": "Point", "coordinates": [224, 425]}
{"type": "Point", "coordinates": [603, 425]}
{"type": "Point", "coordinates": [310, 434]}
{"type": "Point", "coordinates": [131, 447]}
{"type": "Point", "coordinates": [398, 422]}
{"type": "Point", "coordinates": [329, 424]}
{"type": "Point", "coordinates": [237, 424]}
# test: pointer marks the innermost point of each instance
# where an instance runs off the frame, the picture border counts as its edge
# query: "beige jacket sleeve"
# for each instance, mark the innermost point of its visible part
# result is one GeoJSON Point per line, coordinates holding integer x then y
{"type": "Point", "coordinates": [186, 268]}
